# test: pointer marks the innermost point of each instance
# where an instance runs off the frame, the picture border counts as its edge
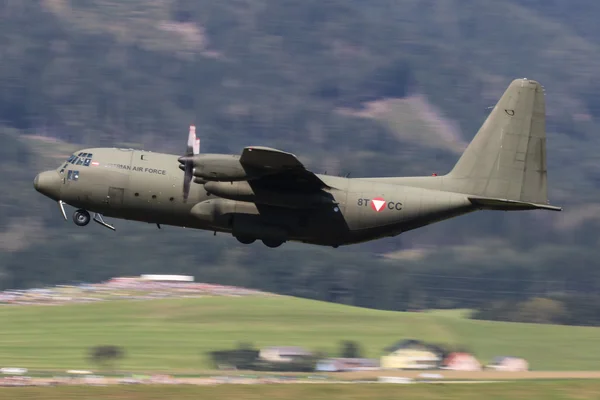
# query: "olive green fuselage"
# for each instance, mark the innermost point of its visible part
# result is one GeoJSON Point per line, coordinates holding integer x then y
{"type": "Point", "coordinates": [273, 198]}
{"type": "Point", "coordinates": [147, 187]}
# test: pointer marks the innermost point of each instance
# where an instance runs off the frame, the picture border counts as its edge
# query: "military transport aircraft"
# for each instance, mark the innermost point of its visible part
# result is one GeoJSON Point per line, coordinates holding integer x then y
{"type": "Point", "coordinates": [267, 194]}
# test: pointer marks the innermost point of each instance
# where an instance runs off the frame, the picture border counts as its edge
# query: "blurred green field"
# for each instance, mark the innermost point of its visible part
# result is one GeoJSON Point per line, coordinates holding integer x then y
{"type": "Point", "coordinates": [452, 313]}
{"type": "Point", "coordinates": [174, 335]}
{"type": "Point", "coordinates": [495, 391]}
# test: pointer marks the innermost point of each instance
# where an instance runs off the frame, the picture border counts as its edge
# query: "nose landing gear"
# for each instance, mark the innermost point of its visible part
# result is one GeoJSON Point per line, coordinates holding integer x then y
{"type": "Point", "coordinates": [98, 218]}
{"type": "Point", "coordinates": [82, 217]}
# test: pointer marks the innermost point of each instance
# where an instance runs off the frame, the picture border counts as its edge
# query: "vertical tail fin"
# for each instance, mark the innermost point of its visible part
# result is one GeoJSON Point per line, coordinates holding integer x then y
{"type": "Point", "coordinates": [507, 157]}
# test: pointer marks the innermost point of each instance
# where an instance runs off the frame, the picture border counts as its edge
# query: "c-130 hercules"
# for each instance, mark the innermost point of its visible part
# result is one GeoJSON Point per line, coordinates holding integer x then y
{"type": "Point", "coordinates": [268, 195]}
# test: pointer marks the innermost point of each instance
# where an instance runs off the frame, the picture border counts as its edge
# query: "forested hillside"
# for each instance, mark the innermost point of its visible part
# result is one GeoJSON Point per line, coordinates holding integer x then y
{"type": "Point", "coordinates": [380, 87]}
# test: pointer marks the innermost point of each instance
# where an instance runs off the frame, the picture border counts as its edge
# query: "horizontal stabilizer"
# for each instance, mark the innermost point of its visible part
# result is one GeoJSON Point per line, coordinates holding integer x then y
{"type": "Point", "coordinates": [509, 205]}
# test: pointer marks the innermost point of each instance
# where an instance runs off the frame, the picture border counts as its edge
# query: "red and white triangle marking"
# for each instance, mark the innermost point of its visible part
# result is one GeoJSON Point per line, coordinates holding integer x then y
{"type": "Point", "coordinates": [377, 204]}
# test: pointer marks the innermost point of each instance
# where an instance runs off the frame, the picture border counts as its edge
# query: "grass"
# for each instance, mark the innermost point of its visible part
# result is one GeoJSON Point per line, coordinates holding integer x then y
{"type": "Point", "coordinates": [495, 391]}
{"type": "Point", "coordinates": [452, 313]}
{"type": "Point", "coordinates": [174, 335]}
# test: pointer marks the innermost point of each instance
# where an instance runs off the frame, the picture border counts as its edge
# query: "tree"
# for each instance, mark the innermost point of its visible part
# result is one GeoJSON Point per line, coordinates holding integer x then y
{"type": "Point", "coordinates": [106, 356]}
{"type": "Point", "coordinates": [542, 311]}
{"type": "Point", "coordinates": [350, 349]}
{"type": "Point", "coordinates": [244, 357]}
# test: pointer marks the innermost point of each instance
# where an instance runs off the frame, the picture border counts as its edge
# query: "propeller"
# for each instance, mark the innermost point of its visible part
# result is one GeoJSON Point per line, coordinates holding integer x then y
{"type": "Point", "coordinates": [187, 161]}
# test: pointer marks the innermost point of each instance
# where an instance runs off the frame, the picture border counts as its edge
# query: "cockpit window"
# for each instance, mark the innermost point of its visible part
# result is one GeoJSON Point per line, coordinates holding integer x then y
{"type": "Point", "coordinates": [81, 159]}
{"type": "Point", "coordinates": [84, 159]}
{"type": "Point", "coordinates": [72, 175]}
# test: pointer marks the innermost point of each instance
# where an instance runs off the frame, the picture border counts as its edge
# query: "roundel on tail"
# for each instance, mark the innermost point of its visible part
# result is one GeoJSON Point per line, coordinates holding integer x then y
{"type": "Point", "coordinates": [377, 203]}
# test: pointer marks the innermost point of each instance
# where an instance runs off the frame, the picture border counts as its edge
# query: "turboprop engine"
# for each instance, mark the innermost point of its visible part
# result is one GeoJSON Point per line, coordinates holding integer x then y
{"type": "Point", "coordinates": [220, 167]}
{"type": "Point", "coordinates": [217, 167]}
{"type": "Point", "coordinates": [244, 219]}
{"type": "Point", "coordinates": [243, 191]}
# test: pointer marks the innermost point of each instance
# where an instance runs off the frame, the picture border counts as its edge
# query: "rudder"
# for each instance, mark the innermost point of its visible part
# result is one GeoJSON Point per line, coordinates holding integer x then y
{"type": "Point", "coordinates": [507, 157]}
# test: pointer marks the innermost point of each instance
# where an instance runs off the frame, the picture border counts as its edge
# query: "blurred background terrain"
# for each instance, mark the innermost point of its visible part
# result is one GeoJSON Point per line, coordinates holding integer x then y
{"type": "Point", "coordinates": [377, 88]}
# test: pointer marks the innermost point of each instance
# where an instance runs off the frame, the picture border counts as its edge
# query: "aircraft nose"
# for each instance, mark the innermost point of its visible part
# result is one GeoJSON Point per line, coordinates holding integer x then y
{"type": "Point", "coordinates": [48, 184]}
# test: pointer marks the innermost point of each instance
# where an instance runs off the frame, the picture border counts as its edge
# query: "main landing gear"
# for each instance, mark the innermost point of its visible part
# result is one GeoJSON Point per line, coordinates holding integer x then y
{"type": "Point", "coordinates": [82, 218]}
{"type": "Point", "coordinates": [272, 243]}
{"type": "Point", "coordinates": [245, 240]}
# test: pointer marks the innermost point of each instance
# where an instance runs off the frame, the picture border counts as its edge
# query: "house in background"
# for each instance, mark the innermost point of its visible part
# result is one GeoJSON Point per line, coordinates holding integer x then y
{"type": "Point", "coordinates": [283, 354]}
{"type": "Point", "coordinates": [461, 362]}
{"type": "Point", "coordinates": [411, 354]}
{"type": "Point", "coordinates": [509, 364]}
{"type": "Point", "coordinates": [346, 364]}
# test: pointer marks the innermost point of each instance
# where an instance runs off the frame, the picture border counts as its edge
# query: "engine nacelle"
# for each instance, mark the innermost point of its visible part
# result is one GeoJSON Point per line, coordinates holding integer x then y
{"type": "Point", "coordinates": [215, 211]}
{"type": "Point", "coordinates": [243, 191]}
{"type": "Point", "coordinates": [243, 219]}
{"type": "Point", "coordinates": [220, 167]}
{"type": "Point", "coordinates": [217, 167]}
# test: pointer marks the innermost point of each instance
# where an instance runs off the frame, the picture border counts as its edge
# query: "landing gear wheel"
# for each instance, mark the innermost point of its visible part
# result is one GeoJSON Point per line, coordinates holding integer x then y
{"type": "Point", "coordinates": [245, 240]}
{"type": "Point", "coordinates": [272, 243]}
{"type": "Point", "coordinates": [81, 217]}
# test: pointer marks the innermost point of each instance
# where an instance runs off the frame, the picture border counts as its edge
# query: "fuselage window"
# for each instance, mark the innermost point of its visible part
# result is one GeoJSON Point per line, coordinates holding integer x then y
{"type": "Point", "coordinates": [79, 162]}
{"type": "Point", "coordinates": [87, 162]}
{"type": "Point", "coordinates": [75, 175]}
{"type": "Point", "coordinates": [70, 175]}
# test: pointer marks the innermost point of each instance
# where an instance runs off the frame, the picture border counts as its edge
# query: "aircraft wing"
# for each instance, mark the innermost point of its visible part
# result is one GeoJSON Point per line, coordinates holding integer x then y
{"type": "Point", "coordinates": [279, 170]}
